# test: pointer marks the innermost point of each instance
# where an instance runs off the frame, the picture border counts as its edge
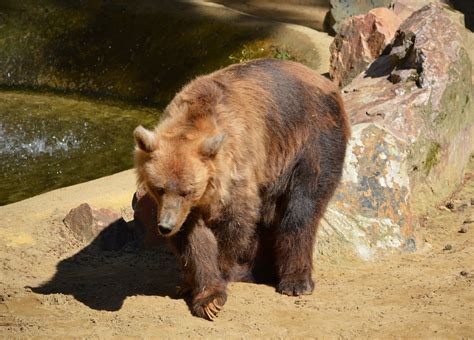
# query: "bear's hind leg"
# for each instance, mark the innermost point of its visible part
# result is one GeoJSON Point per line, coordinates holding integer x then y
{"type": "Point", "coordinates": [198, 252]}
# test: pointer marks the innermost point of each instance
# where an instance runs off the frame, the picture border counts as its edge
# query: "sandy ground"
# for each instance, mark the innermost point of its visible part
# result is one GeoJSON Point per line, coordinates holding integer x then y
{"type": "Point", "coordinates": [53, 284]}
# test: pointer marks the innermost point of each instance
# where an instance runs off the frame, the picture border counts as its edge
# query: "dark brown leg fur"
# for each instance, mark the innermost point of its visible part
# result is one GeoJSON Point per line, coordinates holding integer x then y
{"type": "Point", "coordinates": [196, 247]}
{"type": "Point", "coordinates": [236, 234]}
{"type": "Point", "coordinates": [310, 189]}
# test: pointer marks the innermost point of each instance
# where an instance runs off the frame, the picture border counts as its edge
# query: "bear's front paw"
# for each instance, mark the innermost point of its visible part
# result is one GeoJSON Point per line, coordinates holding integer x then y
{"type": "Point", "coordinates": [296, 287]}
{"type": "Point", "coordinates": [208, 307]}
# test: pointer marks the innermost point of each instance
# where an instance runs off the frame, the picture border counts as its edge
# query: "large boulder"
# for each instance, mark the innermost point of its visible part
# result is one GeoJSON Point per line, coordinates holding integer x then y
{"type": "Point", "coordinates": [413, 133]}
{"type": "Point", "coordinates": [360, 40]}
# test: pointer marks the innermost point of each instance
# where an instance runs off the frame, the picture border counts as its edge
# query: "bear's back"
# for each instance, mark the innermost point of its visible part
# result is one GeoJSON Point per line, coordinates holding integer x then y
{"type": "Point", "coordinates": [269, 109]}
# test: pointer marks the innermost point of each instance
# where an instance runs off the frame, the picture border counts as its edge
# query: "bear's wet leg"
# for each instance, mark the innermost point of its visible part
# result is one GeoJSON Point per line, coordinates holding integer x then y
{"type": "Point", "coordinates": [197, 250]}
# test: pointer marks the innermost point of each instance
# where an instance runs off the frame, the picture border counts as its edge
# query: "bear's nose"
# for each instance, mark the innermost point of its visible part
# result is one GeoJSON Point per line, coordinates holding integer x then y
{"type": "Point", "coordinates": [164, 228]}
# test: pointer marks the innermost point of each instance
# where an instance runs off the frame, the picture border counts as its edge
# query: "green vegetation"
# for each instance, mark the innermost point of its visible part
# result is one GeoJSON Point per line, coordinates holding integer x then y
{"type": "Point", "coordinates": [261, 49]}
{"type": "Point", "coordinates": [432, 157]}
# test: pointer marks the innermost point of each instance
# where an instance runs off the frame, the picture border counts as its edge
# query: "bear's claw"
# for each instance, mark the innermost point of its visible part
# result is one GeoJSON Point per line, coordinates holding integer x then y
{"type": "Point", "coordinates": [208, 309]}
{"type": "Point", "coordinates": [212, 309]}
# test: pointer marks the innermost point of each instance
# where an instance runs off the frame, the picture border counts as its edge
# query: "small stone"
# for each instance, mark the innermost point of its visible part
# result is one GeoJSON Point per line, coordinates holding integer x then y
{"type": "Point", "coordinates": [444, 208]}
{"type": "Point", "coordinates": [448, 247]}
{"type": "Point", "coordinates": [87, 223]}
{"type": "Point", "coordinates": [410, 245]}
{"type": "Point", "coordinates": [469, 220]}
{"type": "Point", "coordinates": [472, 201]}
{"type": "Point", "coordinates": [463, 230]}
{"type": "Point", "coordinates": [398, 76]}
{"type": "Point", "coordinates": [450, 205]}
{"type": "Point", "coordinates": [464, 273]}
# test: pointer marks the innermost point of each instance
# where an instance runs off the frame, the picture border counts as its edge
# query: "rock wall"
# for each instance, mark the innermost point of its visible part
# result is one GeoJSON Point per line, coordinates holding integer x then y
{"type": "Point", "coordinates": [141, 51]}
{"type": "Point", "coordinates": [413, 133]}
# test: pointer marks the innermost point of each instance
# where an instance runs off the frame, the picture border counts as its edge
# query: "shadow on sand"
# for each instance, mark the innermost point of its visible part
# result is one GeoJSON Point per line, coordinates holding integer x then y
{"type": "Point", "coordinates": [112, 267]}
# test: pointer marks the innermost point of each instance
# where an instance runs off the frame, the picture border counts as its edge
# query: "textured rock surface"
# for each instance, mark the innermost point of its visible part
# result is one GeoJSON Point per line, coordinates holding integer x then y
{"type": "Point", "coordinates": [360, 40]}
{"type": "Point", "coordinates": [343, 9]}
{"type": "Point", "coordinates": [413, 132]}
{"type": "Point", "coordinates": [405, 8]}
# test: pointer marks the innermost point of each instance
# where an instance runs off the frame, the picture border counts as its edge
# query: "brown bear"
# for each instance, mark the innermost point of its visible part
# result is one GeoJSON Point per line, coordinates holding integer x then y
{"type": "Point", "coordinates": [241, 166]}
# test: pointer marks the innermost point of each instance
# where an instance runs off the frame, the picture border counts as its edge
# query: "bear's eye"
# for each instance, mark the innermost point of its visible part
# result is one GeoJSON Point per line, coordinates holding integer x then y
{"type": "Point", "coordinates": [159, 191]}
{"type": "Point", "coordinates": [185, 193]}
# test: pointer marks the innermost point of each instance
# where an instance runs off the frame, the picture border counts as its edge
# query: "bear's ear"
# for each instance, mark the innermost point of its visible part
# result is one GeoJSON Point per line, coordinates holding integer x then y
{"type": "Point", "coordinates": [145, 139]}
{"type": "Point", "coordinates": [211, 145]}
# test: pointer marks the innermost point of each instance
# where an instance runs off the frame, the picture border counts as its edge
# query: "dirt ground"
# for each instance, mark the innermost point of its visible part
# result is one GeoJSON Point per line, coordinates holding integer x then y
{"type": "Point", "coordinates": [51, 284]}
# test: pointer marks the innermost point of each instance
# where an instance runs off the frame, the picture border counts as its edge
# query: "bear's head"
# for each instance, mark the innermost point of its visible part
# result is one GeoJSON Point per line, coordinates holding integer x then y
{"type": "Point", "coordinates": [176, 165]}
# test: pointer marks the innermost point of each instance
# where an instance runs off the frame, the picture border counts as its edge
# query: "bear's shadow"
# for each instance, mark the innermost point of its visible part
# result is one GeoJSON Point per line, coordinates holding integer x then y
{"type": "Point", "coordinates": [112, 267]}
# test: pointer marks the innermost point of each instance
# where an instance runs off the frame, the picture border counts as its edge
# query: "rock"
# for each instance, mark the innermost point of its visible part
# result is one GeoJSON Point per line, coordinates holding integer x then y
{"type": "Point", "coordinates": [405, 8]}
{"type": "Point", "coordinates": [403, 76]}
{"type": "Point", "coordinates": [463, 230]}
{"type": "Point", "coordinates": [87, 223]}
{"type": "Point", "coordinates": [448, 247]}
{"type": "Point", "coordinates": [360, 40]}
{"type": "Point", "coordinates": [433, 116]}
{"type": "Point", "coordinates": [411, 139]}
{"type": "Point", "coordinates": [468, 220]}
{"type": "Point", "coordinates": [410, 245]}
{"type": "Point", "coordinates": [450, 206]}
{"type": "Point", "coordinates": [343, 9]}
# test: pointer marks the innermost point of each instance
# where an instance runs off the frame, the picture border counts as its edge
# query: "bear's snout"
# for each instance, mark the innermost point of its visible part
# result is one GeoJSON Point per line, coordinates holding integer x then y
{"type": "Point", "coordinates": [165, 228]}
{"type": "Point", "coordinates": [167, 221]}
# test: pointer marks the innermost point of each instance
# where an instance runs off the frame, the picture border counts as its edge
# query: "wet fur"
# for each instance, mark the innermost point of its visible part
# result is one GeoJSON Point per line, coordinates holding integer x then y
{"type": "Point", "coordinates": [286, 133]}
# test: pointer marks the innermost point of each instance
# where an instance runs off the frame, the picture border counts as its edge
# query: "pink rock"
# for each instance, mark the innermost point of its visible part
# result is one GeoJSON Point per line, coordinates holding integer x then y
{"type": "Point", "coordinates": [419, 95]}
{"type": "Point", "coordinates": [404, 8]}
{"type": "Point", "coordinates": [361, 39]}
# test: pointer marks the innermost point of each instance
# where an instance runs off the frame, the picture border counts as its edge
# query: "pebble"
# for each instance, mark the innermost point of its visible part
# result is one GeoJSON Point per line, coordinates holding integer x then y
{"type": "Point", "coordinates": [472, 201]}
{"type": "Point", "coordinates": [463, 230]}
{"type": "Point", "coordinates": [448, 247]}
{"type": "Point", "coordinates": [450, 205]}
{"type": "Point", "coordinates": [468, 220]}
{"type": "Point", "coordinates": [464, 273]}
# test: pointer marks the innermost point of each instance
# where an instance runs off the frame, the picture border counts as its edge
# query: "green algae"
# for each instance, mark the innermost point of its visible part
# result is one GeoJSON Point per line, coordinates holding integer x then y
{"type": "Point", "coordinates": [432, 157]}
{"type": "Point", "coordinates": [263, 49]}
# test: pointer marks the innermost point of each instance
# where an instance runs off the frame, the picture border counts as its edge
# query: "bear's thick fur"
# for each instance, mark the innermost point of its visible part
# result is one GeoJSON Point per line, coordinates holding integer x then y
{"type": "Point", "coordinates": [241, 167]}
